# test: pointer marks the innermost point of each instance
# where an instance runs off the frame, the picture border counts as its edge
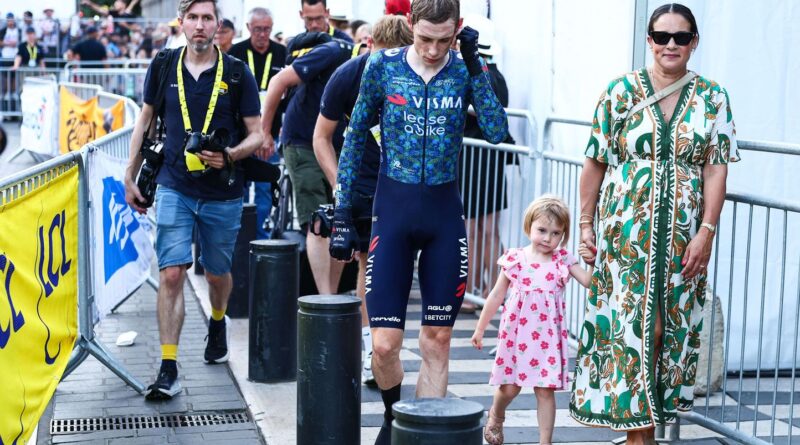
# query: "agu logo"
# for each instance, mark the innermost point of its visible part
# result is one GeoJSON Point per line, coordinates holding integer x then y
{"type": "Point", "coordinates": [397, 99]}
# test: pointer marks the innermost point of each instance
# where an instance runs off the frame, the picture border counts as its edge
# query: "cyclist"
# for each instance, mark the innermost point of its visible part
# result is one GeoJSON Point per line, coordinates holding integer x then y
{"type": "Point", "coordinates": [422, 92]}
{"type": "Point", "coordinates": [337, 103]}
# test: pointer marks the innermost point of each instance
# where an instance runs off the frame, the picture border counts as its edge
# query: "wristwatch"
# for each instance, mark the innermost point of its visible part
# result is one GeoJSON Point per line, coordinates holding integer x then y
{"type": "Point", "coordinates": [709, 226]}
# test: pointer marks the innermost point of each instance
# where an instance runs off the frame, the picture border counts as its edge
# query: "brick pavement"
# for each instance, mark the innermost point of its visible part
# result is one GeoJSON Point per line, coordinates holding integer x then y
{"type": "Point", "coordinates": [94, 391]}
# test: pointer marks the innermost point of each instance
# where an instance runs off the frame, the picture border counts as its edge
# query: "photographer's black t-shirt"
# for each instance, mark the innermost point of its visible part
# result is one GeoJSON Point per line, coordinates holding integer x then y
{"type": "Point", "coordinates": [337, 104]}
{"type": "Point", "coordinates": [173, 173]}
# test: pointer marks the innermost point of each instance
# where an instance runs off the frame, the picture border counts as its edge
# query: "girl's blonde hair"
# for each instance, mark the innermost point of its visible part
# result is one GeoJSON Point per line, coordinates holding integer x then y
{"type": "Point", "coordinates": [551, 207]}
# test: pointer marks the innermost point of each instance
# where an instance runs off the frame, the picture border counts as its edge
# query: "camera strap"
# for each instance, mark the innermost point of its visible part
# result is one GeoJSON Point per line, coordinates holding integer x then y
{"type": "Point", "coordinates": [267, 66]}
{"type": "Point", "coordinates": [193, 163]}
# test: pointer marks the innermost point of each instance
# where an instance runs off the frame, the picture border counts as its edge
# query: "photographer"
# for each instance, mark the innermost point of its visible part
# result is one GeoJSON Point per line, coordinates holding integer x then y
{"type": "Point", "coordinates": [199, 182]}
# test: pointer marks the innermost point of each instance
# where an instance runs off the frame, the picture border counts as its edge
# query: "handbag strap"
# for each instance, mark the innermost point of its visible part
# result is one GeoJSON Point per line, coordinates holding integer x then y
{"type": "Point", "coordinates": [657, 96]}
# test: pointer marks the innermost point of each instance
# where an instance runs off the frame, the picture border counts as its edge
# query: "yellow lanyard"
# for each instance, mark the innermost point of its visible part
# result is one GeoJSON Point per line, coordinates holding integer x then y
{"type": "Point", "coordinates": [356, 48]}
{"type": "Point", "coordinates": [187, 123]}
{"type": "Point", "coordinates": [267, 66]}
{"type": "Point", "coordinates": [32, 52]}
{"type": "Point", "coordinates": [330, 29]}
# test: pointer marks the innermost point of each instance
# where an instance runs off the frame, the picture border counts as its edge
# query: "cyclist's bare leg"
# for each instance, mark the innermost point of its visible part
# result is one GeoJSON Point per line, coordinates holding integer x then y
{"type": "Point", "coordinates": [434, 346]}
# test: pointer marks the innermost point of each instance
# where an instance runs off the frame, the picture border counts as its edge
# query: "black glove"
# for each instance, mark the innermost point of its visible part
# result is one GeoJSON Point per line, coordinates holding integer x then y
{"type": "Point", "coordinates": [469, 50]}
{"type": "Point", "coordinates": [344, 238]}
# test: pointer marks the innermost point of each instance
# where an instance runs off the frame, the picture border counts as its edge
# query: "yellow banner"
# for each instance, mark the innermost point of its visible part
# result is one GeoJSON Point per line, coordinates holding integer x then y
{"type": "Point", "coordinates": [38, 301]}
{"type": "Point", "coordinates": [83, 121]}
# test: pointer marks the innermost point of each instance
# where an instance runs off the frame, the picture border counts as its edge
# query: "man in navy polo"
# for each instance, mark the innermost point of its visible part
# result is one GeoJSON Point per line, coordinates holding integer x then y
{"type": "Point", "coordinates": [195, 188]}
{"type": "Point", "coordinates": [309, 73]}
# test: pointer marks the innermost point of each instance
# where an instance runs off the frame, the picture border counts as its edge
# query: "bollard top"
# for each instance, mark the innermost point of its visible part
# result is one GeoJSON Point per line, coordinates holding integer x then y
{"type": "Point", "coordinates": [272, 245]}
{"type": "Point", "coordinates": [437, 411]}
{"type": "Point", "coordinates": [327, 303]}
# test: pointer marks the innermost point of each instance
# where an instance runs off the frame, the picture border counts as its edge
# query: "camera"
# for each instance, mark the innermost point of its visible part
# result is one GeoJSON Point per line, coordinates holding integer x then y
{"type": "Point", "coordinates": [217, 141]}
{"type": "Point", "coordinates": [146, 179]}
{"type": "Point", "coordinates": [324, 217]}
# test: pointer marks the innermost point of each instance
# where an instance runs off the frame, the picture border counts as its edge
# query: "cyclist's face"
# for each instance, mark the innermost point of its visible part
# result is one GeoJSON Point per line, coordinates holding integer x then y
{"type": "Point", "coordinates": [433, 40]}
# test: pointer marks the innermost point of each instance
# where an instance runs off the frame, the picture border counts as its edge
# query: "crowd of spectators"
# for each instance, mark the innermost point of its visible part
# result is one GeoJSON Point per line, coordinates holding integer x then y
{"type": "Point", "coordinates": [114, 26]}
{"type": "Point", "coordinates": [117, 27]}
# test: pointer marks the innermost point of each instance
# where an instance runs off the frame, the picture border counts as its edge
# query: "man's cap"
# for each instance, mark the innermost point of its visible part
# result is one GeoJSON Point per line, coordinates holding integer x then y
{"type": "Point", "coordinates": [226, 23]}
{"type": "Point", "coordinates": [10, 16]}
{"type": "Point", "coordinates": [398, 7]}
{"type": "Point", "coordinates": [487, 45]}
{"type": "Point", "coordinates": [47, 9]}
{"type": "Point", "coordinates": [27, 14]}
{"type": "Point", "coordinates": [30, 30]}
{"type": "Point", "coordinates": [91, 29]}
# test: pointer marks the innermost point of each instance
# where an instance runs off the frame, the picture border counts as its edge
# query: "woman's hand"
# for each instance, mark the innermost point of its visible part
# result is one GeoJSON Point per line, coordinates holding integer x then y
{"type": "Point", "coordinates": [698, 253]}
{"type": "Point", "coordinates": [477, 339]}
{"type": "Point", "coordinates": [588, 250]}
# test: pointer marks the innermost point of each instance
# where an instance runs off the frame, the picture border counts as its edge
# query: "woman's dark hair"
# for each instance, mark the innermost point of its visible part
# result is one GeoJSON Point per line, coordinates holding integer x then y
{"type": "Point", "coordinates": [674, 8]}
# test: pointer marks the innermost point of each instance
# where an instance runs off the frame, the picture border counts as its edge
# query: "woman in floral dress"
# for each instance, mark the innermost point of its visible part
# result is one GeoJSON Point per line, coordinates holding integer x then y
{"type": "Point", "coordinates": [656, 178]}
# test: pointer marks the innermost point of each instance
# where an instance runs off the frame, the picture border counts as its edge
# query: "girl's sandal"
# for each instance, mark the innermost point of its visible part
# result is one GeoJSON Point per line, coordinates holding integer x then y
{"type": "Point", "coordinates": [493, 432]}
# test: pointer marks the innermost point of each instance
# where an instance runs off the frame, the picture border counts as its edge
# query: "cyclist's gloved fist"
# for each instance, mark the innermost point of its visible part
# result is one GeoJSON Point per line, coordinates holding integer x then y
{"type": "Point", "coordinates": [469, 50]}
{"type": "Point", "coordinates": [344, 238]}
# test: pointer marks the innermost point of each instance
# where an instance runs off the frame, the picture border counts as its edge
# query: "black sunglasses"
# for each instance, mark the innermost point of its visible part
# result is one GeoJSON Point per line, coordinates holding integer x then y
{"type": "Point", "coordinates": [682, 38]}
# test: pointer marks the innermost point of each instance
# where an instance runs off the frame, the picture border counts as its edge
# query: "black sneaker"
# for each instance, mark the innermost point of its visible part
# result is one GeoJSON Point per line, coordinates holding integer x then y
{"type": "Point", "coordinates": [165, 387]}
{"type": "Point", "coordinates": [217, 343]}
{"type": "Point", "coordinates": [385, 434]}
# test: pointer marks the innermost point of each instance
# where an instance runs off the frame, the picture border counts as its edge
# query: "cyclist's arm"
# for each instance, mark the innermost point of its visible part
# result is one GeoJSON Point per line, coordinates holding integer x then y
{"type": "Point", "coordinates": [491, 116]}
{"type": "Point", "coordinates": [278, 85]}
{"type": "Point", "coordinates": [370, 97]}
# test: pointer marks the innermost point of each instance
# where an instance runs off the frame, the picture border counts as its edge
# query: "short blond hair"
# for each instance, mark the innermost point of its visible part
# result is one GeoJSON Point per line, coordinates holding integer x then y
{"type": "Point", "coordinates": [551, 207]}
{"type": "Point", "coordinates": [392, 31]}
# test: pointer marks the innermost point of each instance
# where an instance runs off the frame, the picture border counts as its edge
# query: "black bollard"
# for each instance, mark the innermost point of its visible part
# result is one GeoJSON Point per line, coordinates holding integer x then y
{"type": "Point", "coordinates": [437, 422]}
{"type": "Point", "coordinates": [273, 307]}
{"type": "Point", "coordinates": [239, 300]}
{"type": "Point", "coordinates": [329, 370]}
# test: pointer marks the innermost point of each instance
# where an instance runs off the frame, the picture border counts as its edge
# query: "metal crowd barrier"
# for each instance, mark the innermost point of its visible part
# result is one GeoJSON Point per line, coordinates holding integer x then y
{"type": "Point", "coordinates": [11, 82]}
{"type": "Point", "coordinates": [490, 177]}
{"type": "Point", "coordinates": [755, 402]}
{"type": "Point", "coordinates": [121, 77]}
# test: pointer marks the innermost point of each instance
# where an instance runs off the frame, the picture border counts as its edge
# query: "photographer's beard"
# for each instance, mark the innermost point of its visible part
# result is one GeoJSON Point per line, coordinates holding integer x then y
{"type": "Point", "coordinates": [201, 46]}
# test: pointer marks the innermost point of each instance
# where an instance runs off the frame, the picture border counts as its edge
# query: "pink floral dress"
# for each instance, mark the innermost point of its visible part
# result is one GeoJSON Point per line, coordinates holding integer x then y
{"type": "Point", "coordinates": [532, 340]}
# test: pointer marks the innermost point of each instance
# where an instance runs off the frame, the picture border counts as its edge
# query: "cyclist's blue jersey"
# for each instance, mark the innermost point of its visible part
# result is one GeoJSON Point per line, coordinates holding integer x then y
{"type": "Point", "coordinates": [422, 125]}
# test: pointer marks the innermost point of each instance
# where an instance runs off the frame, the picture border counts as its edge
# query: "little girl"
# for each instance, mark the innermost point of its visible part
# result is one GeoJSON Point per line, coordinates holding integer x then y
{"type": "Point", "coordinates": [532, 340]}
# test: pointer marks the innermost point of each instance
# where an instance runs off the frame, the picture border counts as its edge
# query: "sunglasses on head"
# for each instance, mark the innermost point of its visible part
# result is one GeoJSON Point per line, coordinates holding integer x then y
{"type": "Point", "coordinates": [682, 38]}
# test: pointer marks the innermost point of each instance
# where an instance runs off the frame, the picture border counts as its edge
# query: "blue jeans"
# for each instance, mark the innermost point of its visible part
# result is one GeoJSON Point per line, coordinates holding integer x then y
{"type": "Point", "coordinates": [217, 222]}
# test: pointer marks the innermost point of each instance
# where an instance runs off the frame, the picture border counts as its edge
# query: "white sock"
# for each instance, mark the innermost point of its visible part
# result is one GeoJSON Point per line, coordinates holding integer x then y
{"type": "Point", "coordinates": [366, 336]}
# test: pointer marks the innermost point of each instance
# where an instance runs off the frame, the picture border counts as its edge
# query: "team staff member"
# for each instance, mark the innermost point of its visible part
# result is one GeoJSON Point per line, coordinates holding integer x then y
{"type": "Point", "coordinates": [197, 99]}
{"type": "Point", "coordinates": [421, 93]}
{"type": "Point", "coordinates": [337, 104]}
{"type": "Point", "coordinates": [224, 36]}
{"type": "Point", "coordinates": [29, 54]}
{"type": "Point", "coordinates": [316, 16]}
{"type": "Point", "coordinates": [309, 73]}
{"type": "Point", "coordinates": [265, 59]}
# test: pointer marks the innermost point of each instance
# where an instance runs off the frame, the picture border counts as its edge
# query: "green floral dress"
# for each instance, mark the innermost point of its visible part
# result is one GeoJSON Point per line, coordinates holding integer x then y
{"type": "Point", "coordinates": [650, 207]}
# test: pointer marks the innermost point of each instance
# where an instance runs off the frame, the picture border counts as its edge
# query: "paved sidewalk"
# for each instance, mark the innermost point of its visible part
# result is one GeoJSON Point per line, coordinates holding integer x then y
{"type": "Point", "coordinates": [274, 405]}
{"type": "Point", "coordinates": [93, 391]}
